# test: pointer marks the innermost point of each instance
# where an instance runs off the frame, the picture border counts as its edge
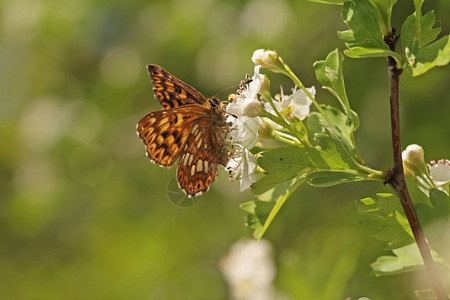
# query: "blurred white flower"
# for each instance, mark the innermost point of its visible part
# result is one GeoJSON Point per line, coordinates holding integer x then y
{"type": "Point", "coordinates": [249, 270]}
{"type": "Point", "coordinates": [242, 164]}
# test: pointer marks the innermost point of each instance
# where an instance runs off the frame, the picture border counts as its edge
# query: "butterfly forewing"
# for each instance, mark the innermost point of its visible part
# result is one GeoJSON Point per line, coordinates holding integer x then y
{"type": "Point", "coordinates": [188, 128]}
{"type": "Point", "coordinates": [166, 132]}
{"type": "Point", "coordinates": [172, 92]}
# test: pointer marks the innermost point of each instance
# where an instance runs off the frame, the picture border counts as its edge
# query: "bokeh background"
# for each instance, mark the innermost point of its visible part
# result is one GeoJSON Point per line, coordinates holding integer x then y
{"type": "Point", "coordinates": [85, 215]}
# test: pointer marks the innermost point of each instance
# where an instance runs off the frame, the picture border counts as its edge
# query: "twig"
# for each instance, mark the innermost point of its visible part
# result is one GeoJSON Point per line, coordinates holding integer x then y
{"type": "Point", "coordinates": [396, 176]}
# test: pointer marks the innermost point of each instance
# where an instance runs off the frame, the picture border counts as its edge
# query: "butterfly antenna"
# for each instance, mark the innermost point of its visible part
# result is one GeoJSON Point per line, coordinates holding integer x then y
{"type": "Point", "coordinates": [234, 86]}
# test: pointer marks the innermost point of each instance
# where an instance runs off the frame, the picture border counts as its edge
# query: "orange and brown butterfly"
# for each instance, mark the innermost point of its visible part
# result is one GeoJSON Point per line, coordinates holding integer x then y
{"type": "Point", "coordinates": [189, 127]}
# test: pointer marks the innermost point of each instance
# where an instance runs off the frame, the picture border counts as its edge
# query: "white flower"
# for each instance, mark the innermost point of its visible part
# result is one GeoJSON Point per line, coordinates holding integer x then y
{"type": "Point", "coordinates": [440, 172]}
{"type": "Point", "coordinates": [300, 102]}
{"type": "Point", "coordinates": [297, 103]}
{"type": "Point", "coordinates": [252, 108]}
{"type": "Point", "coordinates": [244, 129]}
{"type": "Point", "coordinates": [242, 164]}
{"type": "Point", "coordinates": [249, 270]}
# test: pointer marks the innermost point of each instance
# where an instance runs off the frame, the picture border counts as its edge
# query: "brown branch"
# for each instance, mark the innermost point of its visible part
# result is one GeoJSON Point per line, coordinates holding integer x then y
{"type": "Point", "coordinates": [396, 176]}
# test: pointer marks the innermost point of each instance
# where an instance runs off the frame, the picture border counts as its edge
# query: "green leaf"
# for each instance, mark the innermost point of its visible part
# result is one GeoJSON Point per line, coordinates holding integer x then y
{"type": "Point", "coordinates": [283, 164]}
{"type": "Point", "coordinates": [385, 9]}
{"type": "Point", "coordinates": [417, 196]}
{"type": "Point", "coordinates": [316, 121]}
{"type": "Point", "coordinates": [384, 216]}
{"type": "Point", "coordinates": [330, 74]}
{"type": "Point", "coordinates": [263, 211]}
{"type": "Point", "coordinates": [342, 144]}
{"type": "Point", "coordinates": [385, 220]}
{"type": "Point", "coordinates": [435, 221]}
{"type": "Point", "coordinates": [406, 259]}
{"type": "Point", "coordinates": [257, 214]}
{"type": "Point", "coordinates": [288, 167]}
{"type": "Point", "coordinates": [430, 56]}
{"type": "Point", "coordinates": [362, 17]}
{"type": "Point", "coordinates": [362, 52]}
{"type": "Point", "coordinates": [294, 159]}
{"type": "Point", "coordinates": [426, 34]}
{"type": "Point", "coordinates": [326, 179]}
{"type": "Point", "coordinates": [439, 209]}
{"type": "Point", "coordinates": [270, 181]}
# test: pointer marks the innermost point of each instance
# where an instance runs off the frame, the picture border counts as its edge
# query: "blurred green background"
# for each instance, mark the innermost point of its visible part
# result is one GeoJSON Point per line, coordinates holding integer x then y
{"type": "Point", "coordinates": [85, 215]}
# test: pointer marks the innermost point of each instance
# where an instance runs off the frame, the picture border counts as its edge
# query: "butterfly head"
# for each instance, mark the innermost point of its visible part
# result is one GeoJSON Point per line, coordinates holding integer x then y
{"type": "Point", "coordinates": [213, 103]}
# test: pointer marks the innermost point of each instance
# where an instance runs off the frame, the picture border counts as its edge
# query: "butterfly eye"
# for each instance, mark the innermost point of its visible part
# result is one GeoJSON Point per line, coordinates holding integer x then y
{"type": "Point", "coordinates": [213, 102]}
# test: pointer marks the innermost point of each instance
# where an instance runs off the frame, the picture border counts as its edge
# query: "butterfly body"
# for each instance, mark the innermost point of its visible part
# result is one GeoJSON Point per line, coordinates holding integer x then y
{"type": "Point", "coordinates": [190, 128]}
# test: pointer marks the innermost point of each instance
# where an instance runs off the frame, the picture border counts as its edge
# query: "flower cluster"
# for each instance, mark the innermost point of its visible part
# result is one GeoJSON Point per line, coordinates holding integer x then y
{"type": "Point", "coordinates": [254, 115]}
{"type": "Point", "coordinates": [428, 176]}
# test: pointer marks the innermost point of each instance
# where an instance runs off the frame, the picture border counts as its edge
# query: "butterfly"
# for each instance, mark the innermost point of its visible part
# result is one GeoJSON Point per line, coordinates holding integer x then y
{"type": "Point", "coordinates": [189, 127]}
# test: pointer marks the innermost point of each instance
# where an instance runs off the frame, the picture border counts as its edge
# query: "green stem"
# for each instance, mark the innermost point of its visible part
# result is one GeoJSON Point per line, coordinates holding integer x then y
{"type": "Point", "coordinates": [358, 156]}
{"type": "Point", "coordinates": [284, 138]}
{"type": "Point", "coordinates": [368, 175]}
{"type": "Point", "coordinates": [282, 122]}
{"type": "Point", "coordinates": [288, 72]}
{"type": "Point", "coordinates": [374, 174]}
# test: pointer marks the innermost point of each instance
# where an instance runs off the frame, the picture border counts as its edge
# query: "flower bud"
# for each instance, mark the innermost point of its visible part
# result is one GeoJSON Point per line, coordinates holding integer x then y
{"type": "Point", "coordinates": [252, 108]}
{"type": "Point", "coordinates": [413, 158]}
{"type": "Point", "coordinates": [270, 58]}
{"type": "Point", "coordinates": [414, 154]}
{"type": "Point", "coordinates": [257, 56]}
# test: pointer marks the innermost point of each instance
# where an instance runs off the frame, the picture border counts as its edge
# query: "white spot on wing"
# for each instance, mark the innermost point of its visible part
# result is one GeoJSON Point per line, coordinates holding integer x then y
{"type": "Point", "coordinates": [194, 129]}
{"type": "Point", "coordinates": [198, 135]}
{"type": "Point", "coordinates": [186, 159]}
{"type": "Point", "coordinates": [200, 165]}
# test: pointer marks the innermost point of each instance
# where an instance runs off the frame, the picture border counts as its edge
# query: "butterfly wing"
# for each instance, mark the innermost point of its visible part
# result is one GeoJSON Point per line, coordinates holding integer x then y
{"type": "Point", "coordinates": [166, 132]}
{"type": "Point", "coordinates": [172, 92]}
{"type": "Point", "coordinates": [205, 150]}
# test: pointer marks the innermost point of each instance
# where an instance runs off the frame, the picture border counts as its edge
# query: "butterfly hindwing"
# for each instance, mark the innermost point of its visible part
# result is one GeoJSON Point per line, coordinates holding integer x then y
{"type": "Point", "coordinates": [172, 92]}
{"type": "Point", "coordinates": [198, 163]}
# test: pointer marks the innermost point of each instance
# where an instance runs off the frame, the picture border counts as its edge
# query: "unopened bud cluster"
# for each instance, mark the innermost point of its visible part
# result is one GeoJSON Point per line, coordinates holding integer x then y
{"type": "Point", "coordinates": [268, 59]}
